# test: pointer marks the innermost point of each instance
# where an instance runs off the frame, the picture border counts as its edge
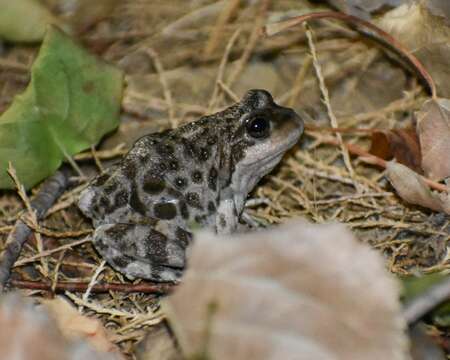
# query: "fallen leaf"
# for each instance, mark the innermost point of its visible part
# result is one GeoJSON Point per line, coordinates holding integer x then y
{"type": "Point", "coordinates": [75, 326]}
{"type": "Point", "coordinates": [411, 187]}
{"type": "Point", "coordinates": [303, 289]}
{"type": "Point", "coordinates": [158, 344]}
{"type": "Point", "coordinates": [24, 20]}
{"type": "Point", "coordinates": [28, 332]}
{"type": "Point", "coordinates": [433, 128]}
{"type": "Point", "coordinates": [73, 99]}
{"type": "Point", "coordinates": [426, 35]}
{"type": "Point", "coordinates": [401, 144]}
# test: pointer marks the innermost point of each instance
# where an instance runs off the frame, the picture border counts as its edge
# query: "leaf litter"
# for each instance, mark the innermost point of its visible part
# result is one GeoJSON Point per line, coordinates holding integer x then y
{"type": "Point", "coordinates": [367, 91]}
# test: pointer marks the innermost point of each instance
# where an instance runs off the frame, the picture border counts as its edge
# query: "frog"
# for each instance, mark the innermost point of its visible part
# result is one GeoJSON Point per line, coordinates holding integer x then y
{"type": "Point", "coordinates": [145, 208]}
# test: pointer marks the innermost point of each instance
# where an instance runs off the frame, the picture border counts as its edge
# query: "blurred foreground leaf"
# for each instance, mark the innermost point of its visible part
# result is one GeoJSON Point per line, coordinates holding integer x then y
{"type": "Point", "coordinates": [73, 99]}
{"type": "Point", "coordinates": [303, 289]}
{"type": "Point", "coordinates": [24, 20]}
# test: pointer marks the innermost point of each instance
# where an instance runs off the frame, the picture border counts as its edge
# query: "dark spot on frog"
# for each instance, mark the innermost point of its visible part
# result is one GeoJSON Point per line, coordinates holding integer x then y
{"type": "Point", "coordinates": [157, 244]}
{"type": "Point", "coordinates": [101, 246]}
{"type": "Point", "coordinates": [212, 140]}
{"type": "Point", "coordinates": [161, 167]}
{"type": "Point", "coordinates": [237, 153]}
{"type": "Point", "coordinates": [135, 201]}
{"type": "Point", "coordinates": [129, 169]}
{"type": "Point", "coordinates": [183, 236]}
{"type": "Point", "coordinates": [110, 187]}
{"type": "Point", "coordinates": [181, 183]}
{"type": "Point", "coordinates": [197, 177]}
{"type": "Point", "coordinates": [173, 165]}
{"type": "Point", "coordinates": [212, 178]}
{"type": "Point", "coordinates": [117, 232]}
{"type": "Point", "coordinates": [121, 261]}
{"type": "Point", "coordinates": [120, 199]}
{"type": "Point", "coordinates": [184, 211]}
{"type": "Point", "coordinates": [203, 154]}
{"type": "Point", "coordinates": [189, 148]}
{"type": "Point", "coordinates": [101, 180]}
{"type": "Point", "coordinates": [165, 211]}
{"type": "Point", "coordinates": [200, 219]}
{"type": "Point", "coordinates": [88, 87]}
{"type": "Point", "coordinates": [193, 199]}
{"type": "Point", "coordinates": [211, 207]}
{"type": "Point", "coordinates": [164, 149]}
{"type": "Point", "coordinates": [152, 184]}
{"type": "Point", "coordinates": [103, 202]}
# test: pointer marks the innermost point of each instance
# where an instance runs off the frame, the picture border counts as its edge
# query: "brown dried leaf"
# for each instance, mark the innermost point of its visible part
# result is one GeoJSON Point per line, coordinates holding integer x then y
{"type": "Point", "coordinates": [29, 333]}
{"type": "Point", "coordinates": [433, 128]}
{"type": "Point", "coordinates": [303, 289]}
{"type": "Point", "coordinates": [424, 34]}
{"type": "Point", "coordinates": [411, 188]}
{"type": "Point", "coordinates": [401, 144]}
{"type": "Point", "coordinates": [75, 326]}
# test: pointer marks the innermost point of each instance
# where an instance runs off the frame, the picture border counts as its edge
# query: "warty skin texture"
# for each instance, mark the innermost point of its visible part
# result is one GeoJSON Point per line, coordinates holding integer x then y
{"type": "Point", "coordinates": [143, 208]}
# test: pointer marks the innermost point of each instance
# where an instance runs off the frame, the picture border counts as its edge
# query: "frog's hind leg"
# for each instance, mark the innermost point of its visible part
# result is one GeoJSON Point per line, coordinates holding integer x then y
{"type": "Point", "coordinates": [140, 251]}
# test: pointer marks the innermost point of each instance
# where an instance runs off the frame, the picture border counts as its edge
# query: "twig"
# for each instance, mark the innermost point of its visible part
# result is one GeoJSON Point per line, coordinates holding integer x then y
{"type": "Point", "coordinates": [227, 12]}
{"type": "Point", "coordinates": [414, 310]}
{"type": "Point", "coordinates": [92, 283]}
{"type": "Point", "coordinates": [165, 85]}
{"type": "Point", "coordinates": [143, 287]}
{"type": "Point", "coordinates": [119, 150]}
{"type": "Point", "coordinates": [326, 100]}
{"type": "Point", "coordinates": [375, 160]}
{"type": "Point", "coordinates": [31, 218]}
{"type": "Point", "coordinates": [222, 65]}
{"type": "Point", "coordinates": [52, 251]}
{"type": "Point", "coordinates": [49, 192]}
{"type": "Point", "coordinates": [373, 32]}
{"type": "Point", "coordinates": [252, 41]}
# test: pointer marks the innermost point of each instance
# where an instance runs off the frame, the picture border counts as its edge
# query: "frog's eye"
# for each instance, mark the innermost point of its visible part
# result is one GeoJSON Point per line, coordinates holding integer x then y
{"type": "Point", "coordinates": [258, 127]}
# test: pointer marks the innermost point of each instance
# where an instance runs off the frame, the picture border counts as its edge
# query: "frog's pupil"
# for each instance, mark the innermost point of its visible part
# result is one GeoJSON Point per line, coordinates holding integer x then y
{"type": "Point", "coordinates": [258, 127]}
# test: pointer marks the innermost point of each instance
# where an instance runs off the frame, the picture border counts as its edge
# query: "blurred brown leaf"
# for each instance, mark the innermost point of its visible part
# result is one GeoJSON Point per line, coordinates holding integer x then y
{"type": "Point", "coordinates": [411, 188]}
{"type": "Point", "coordinates": [303, 289]}
{"type": "Point", "coordinates": [158, 344]}
{"type": "Point", "coordinates": [75, 326]}
{"type": "Point", "coordinates": [424, 34]}
{"type": "Point", "coordinates": [29, 333]}
{"type": "Point", "coordinates": [433, 128]}
{"type": "Point", "coordinates": [401, 144]}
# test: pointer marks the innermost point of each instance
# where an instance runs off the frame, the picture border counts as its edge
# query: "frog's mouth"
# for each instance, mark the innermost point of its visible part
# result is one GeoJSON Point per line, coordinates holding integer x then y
{"type": "Point", "coordinates": [276, 155]}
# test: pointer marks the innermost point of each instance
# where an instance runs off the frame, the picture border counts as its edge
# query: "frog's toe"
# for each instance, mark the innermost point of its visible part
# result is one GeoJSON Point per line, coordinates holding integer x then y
{"type": "Point", "coordinates": [138, 251]}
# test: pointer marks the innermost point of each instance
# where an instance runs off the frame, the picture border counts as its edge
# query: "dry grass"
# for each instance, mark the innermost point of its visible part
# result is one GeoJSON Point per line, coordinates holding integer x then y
{"type": "Point", "coordinates": [221, 46]}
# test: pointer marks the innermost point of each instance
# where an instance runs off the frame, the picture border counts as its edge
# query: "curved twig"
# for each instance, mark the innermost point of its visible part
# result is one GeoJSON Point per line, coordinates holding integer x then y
{"type": "Point", "coordinates": [377, 33]}
{"type": "Point", "coordinates": [52, 188]}
{"type": "Point", "coordinates": [143, 287]}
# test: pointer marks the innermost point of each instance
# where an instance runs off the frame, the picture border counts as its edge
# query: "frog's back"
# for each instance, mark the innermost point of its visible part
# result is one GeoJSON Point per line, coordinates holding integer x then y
{"type": "Point", "coordinates": [167, 176]}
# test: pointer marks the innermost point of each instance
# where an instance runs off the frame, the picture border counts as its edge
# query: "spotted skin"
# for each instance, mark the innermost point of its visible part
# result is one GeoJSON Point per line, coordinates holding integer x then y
{"type": "Point", "coordinates": [144, 207]}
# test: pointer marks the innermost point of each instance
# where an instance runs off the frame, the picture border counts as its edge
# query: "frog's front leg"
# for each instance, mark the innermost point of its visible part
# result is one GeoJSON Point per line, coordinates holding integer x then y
{"type": "Point", "coordinates": [227, 219]}
{"type": "Point", "coordinates": [143, 251]}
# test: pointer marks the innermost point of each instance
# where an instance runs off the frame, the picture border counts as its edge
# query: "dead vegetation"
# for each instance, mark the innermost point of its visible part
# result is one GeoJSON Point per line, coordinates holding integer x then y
{"type": "Point", "coordinates": [183, 59]}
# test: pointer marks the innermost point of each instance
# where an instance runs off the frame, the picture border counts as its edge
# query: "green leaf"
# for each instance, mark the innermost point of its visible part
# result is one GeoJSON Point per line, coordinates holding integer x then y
{"type": "Point", "coordinates": [416, 285]}
{"type": "Point", "coordinates": [24, 20]}
{"type": "Point", "coordinates": [73, 99]}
